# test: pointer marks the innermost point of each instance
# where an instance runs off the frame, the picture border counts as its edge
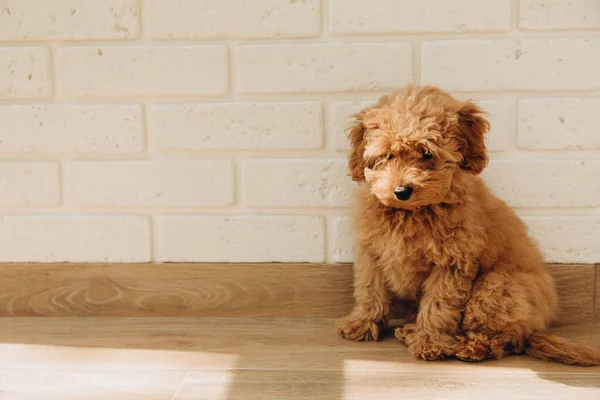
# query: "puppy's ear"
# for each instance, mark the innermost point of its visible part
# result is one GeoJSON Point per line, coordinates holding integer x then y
{"type": "Point", "coordinates": [356, 161]}
{"type": "Point", "coordinates": [472, 128]}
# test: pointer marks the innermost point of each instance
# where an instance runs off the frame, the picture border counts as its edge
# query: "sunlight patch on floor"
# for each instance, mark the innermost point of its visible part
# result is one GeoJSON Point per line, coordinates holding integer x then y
{"type": "Point", "coordinates": [214, 385]}
{"type": "Point", "coordinates": [30, 371]}
{"type": "Point", "coordinates": [87, 383]}
{"type": "Point", "coordinates": [16, 355]}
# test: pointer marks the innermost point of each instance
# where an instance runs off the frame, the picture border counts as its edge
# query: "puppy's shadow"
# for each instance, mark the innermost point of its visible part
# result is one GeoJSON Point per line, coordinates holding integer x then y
{"type": "Point", "coordinates": [573, 376]}
{"type": "Point", "coordinates": [583, 380]}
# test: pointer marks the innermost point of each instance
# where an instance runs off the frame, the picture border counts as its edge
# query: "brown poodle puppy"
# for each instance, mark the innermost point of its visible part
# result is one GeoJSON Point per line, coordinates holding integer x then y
{"type": "Point", "coordinates": [426, 228]}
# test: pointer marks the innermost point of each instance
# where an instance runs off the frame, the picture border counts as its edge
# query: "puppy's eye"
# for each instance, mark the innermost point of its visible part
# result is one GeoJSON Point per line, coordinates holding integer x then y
{"type": "Point", "coordinates": [390, 156]}
{"type": "Point", "coordinates": [426, 156]}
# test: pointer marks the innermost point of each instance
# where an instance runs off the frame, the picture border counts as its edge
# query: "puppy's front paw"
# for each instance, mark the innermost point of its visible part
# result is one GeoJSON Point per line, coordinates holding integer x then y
{"type": "Point", "coordinates": [425, 350]}
{"type": "Point", "coordinates": [424, 346]}
{"type": "Point", "coordinates": [471, 349]}
{"type": "Point", "coordinates": [356, 327]}
{"type": "Point", "coordinates": [404, 333]}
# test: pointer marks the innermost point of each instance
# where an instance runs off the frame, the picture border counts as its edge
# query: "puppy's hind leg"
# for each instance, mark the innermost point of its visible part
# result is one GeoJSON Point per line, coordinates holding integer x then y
{"type": "Point", "coordinates": [502, 314]}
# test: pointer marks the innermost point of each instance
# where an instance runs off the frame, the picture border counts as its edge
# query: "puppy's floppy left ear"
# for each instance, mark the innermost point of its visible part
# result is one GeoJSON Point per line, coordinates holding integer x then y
{"type": "Point", "coordinates": [472, 128]}
{"type": "Point", "coordinates": [356, 162]}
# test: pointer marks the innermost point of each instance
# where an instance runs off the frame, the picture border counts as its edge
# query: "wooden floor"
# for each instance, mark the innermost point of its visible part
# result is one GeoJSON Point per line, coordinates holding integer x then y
{"type": "Point", "coordinates": [162, 358]}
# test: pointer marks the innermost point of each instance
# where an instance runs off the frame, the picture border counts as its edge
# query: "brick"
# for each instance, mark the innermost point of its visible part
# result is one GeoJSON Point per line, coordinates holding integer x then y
{"type": "Point", "coordinates": [342, 241]}
{"type": "Point", "coordinates": [151, 183]}
{"type": "Point", "coordinates": [71, 129]}
{"type": "Point", "coordinates": [341, 119]}
{"type": "Point", "coordinates": [29, 184]}
{"type": "Point", "coordinates": [562, 123]}
{"type": "Point", "coordinates": [559, 14]}
{"type": "Point", "coordinates": [290, 68]}
{"type": "Point", "coordinates": [499, 117]}
{"type": "Point", "coordinates": [241, 239]}
{"type": "Point", "coordinates": [24, 72]}
{"type": "Point", "coordinates": [504, 64]}
{"type": "Point", "coordinates": [567, 239]}
{"type": "Point", "coordinates": [403, 16]}
{"type": "Point", "coordinates": [543, 184]}
{"type": "Point", "coordinates": [122, 71]}
{"type": "Point", "coordinates": [296, 183]}
{"type": "Point", "coordinates": [75, 238]}
{"type": "Point", "coordinates": [68, 19]}
{"type": "Point", "coordinates": [236, 126]}
{"type": "Point", "coordinates": [214, 19]}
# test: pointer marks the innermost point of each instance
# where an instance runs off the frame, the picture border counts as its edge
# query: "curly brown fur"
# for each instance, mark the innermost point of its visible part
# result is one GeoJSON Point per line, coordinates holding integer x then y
{"type": "Point", "coordinates": [452, 246]}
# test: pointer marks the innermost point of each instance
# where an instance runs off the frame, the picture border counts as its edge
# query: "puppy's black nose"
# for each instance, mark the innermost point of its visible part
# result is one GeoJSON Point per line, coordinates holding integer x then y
{"type": "Point", "coordinates": [403, 192]}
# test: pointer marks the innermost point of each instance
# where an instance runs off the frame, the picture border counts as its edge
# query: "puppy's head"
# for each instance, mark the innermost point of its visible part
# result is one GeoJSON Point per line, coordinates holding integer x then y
{"type": "Point", "coordinates": [412, 144]}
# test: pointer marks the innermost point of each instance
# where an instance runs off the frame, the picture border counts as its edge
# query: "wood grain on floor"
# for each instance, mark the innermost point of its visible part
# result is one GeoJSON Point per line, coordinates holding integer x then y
{"type": "Point", "coordinates": [203, 290]}
{"type": "Point", "coordinates": [575, 286]}
{"type": "Point", "coordinates": [217, 290]}
{"type": "Point", "coordinates": [238, 358]}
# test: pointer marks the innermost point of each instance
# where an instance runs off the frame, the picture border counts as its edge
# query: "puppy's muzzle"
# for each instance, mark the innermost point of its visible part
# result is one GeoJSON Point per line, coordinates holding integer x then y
{"type": "Point", "coordinates": [403, 192]}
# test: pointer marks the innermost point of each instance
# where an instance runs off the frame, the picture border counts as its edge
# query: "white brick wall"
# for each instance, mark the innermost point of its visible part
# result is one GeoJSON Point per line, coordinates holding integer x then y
{"type": "Point", "coordinates": [29, 184]}
{"type": "Point", "coordinates": [69, 19]}
{"type": "Point", "coordinates": [57, 128]}
{"type": "Point", "coordinates": [296, 183]}
{"type": "Point", "coordinates": [24, 72]}
{"type": "Point", "coordinates": [218, 19]}
{"type": "Point", "coordinates": [136, 71]}
{"type": "Point", "coordinates": [239, 126]}
{"type": "Point", "coordinates": [172, 183]}
{"type": "Point", "coordinates": [213, 131]}
{"type": "Point", "coordinates": [323, 67]}
{"type": "Point", "coordinates": [241, 239]}
{"type": "Point", "coordinates": [567, 239]}
{"type": "Point", "coordinates": [499, 65]}
{"type": "Point", "coordinates": [407, 16]}
{"type": "Point", "coordinates": [559, 123]}
{"type": "Point", "coordinates": [101, 238]}
{"type": "Point", "coordinates": [342, 239]}
{"type": "Point", "coordinates": [559, 14]}
{"type": "Point", "coordinates": [546, 183]}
